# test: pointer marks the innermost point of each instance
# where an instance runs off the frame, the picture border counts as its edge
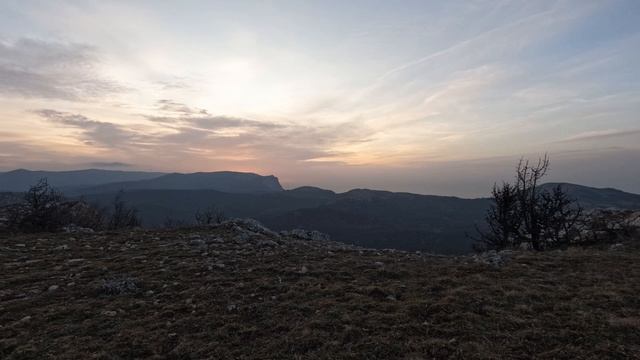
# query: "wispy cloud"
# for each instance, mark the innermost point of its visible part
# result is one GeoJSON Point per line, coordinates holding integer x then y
{"type": "Point", "coordinates": [601, 134]}
{"type": "Point", "coordinates": [209, 137]}
{"type": "Point", "coordinates": [41, 69]}
{"type": "Point", "coordinates": [92, 131]}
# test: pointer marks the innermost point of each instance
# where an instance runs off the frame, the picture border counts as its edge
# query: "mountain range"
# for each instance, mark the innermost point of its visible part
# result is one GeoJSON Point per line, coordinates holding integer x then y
{"type": "Point", "coordinates": [369, 218]}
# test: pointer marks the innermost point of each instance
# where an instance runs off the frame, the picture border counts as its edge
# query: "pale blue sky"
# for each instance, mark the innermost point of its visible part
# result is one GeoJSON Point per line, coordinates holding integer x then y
{"type": "Point", "coordinates": [423, 96]}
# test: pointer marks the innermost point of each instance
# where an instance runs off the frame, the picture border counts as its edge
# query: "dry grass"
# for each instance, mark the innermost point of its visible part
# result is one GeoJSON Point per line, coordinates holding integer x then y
{"type": "Point", "coordinates": [248, 299]}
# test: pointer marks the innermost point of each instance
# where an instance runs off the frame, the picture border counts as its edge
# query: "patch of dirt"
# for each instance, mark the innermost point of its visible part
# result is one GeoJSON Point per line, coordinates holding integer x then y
{"type": "Point", "coordinates": [226, 293]}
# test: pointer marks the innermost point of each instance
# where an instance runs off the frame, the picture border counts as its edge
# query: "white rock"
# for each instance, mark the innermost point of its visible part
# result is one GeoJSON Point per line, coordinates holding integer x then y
{"type": "Point", "coordinates": [616, 247]}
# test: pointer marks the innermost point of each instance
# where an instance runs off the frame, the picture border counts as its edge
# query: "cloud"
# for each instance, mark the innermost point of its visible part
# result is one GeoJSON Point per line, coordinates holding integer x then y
{"type": "Point", "coordinates": [93, 132]}
{"type": "Point", "coordinates": [215, 139]}
{"type": "Point", "coordinates": [171, 106]}
{"type": "Point", "coordinates": [180, 114]}
{"type": "Point", "coordinates": [218, 122]}
{"type": "Point", "coordinates": [39, 69]}
{"type": "Point", "coordinates": [601, 135]}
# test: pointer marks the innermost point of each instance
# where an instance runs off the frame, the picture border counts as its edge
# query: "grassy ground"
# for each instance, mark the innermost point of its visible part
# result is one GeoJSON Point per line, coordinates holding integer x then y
{"type": "Point", "coordinates": [195, 294]}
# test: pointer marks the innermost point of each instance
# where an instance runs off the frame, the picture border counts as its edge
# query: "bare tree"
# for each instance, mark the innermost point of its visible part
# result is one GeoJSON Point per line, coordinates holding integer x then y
{"type": "Point", "coordinates": [122, 216]}
{"type": "Point", "coordinates": [86, 215]}
{"type": "Point", "coordinates": [42, 210]}
{"type": "Point", "coordinates": [525, 212]}
{"type": "Point", "coordinates": [172, 223]}
{"type": "Point", "coordinates": [209, 216]}
{"type": "Point", "coordinates": [527, 178]}
{"type": "Point", "coordinates": [559, 216]}
{"type": "Point", "coordinates": [502, 218]}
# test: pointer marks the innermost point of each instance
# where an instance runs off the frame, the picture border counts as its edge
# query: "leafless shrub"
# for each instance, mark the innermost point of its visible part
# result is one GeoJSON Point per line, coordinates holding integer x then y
{"type": "Point", "coordinates": [524, 213]}
{"type": "Point", "coordinates": [41, 210]}
{"type": "Point", "coordinates": [209, 216]}
{"type": "Point", "coordinates": [122, 216]}
{"type": "Point", "coordinates": [171, 223]}
{"type": "Point", "coordinates": [82, 214]}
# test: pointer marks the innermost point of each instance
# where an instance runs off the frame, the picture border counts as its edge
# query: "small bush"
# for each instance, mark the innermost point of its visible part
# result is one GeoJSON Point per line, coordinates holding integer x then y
{"type": "Point", "coordinates": [209, 216]}
{"type": "Point", "coordinates": [122, 216]}
{"type": "Point", "coordinates": [42, 209]}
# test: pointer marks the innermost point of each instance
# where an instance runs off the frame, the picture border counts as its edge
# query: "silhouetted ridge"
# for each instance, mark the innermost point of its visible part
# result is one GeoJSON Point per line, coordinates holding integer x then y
{"type": "Point", "coordinates": [591, 197]}
{"type": "Point", "coordinates": [21, 179]}
{"type": "Point", "coordinates": [224, 181]}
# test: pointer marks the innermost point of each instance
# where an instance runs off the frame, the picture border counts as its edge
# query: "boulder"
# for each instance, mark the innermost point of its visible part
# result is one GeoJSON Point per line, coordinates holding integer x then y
{"type": "Point", "coordinates": [251, 225]}
{"type": "Point", "coordinates": [494, 258]}
{"type": "Point", "coordinates": [312, 235]}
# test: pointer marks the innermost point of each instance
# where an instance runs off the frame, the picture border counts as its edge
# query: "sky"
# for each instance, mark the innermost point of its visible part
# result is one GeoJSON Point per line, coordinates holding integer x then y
{"type": "Point", "coordinates": [433, 97]}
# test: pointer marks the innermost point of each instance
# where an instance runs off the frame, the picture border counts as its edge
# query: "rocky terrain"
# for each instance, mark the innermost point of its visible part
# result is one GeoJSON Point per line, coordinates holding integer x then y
{"type": "Point", "coordinates": [240, 291]}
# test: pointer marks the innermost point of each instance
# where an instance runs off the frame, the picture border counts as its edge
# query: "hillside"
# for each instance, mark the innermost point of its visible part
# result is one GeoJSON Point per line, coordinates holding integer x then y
{"type": "Point", "coordinates": [239, 291]}
{"type": "Point", "coordinates": [364, 217]}
{"type": "Point", "coordinates": [591, 197]}
{"type": "Point", "coordinates": [369, 218]}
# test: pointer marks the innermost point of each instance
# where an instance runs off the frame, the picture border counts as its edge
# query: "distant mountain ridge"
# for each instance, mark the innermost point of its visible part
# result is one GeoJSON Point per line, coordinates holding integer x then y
{"type": "Point", "coordinates": [224, 181]}
{"type": "Point", "coordinates": [22, 179]}
{"type": "Point", "coordinates": [101, 181]}
{"type": "Point", "coordinates": [591, 197]}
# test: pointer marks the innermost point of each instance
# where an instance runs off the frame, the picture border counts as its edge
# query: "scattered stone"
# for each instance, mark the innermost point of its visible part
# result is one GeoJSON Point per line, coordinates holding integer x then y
{"type": "Point", "coordinates": [493, 258]}
{"type": "Point", "coordinates": [72, 229]}
{"type": "Point", "coordinates": [242, 237]}
{"type": "Point", "coordinates": [215, 240]}
{"type": "Point", "coordinates": [232, 307]}
{"type": "Point", "coordinates": [379, 264]}
{"type": "Point", "coordinates": [53, 288]}
{"type": "Point", "coordinates": [119, 286]}
{"type": "Point", "coordinates": [616, 247]}
{"type": "Point", "coordinates": [312, 235]}
{"type": "Point", "coordinates": [526, 246]}
{"type": "Point", "coordinates": [304, 270]}
{"type": "Point", "coordinates": [110, 313]}
{"type": "Point", "coordinates": [267, 243]}
{"type": "Point", "coordinates": [197, 242]}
